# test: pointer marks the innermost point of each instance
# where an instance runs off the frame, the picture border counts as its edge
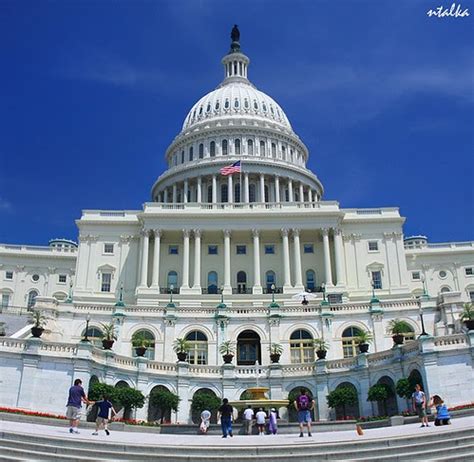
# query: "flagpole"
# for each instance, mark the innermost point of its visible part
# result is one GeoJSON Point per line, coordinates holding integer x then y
{"type": "Point", "coordinates": [240, 180]}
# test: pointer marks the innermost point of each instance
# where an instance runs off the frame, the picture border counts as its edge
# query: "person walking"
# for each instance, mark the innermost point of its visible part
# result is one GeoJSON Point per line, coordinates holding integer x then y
{"type": "Point", "coordinates": [442, 413]}
{"type": "Point", "coordinates": [248, 420]}
{"type": "Point", "coordinates": [105, 409]}
{"type": "Point", "coordinates": [261, 416]}
{"type": "Point", "coordinates": [272, 421]}
{"type": "Point", "coordinates": [304, 405]}
{"type": "Point", "coordinates": [76, 397]}
{"type": "Point", "coordinates": [205, 421]}
{"type": "Point", "coordinates": [225, 414]}
{"type": "Point", "coordinates": [419, 405]}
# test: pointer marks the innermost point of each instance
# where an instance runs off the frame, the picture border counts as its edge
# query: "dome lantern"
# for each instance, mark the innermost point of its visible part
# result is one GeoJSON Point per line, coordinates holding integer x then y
{"type": "Point", "coordinates": [235, 62]}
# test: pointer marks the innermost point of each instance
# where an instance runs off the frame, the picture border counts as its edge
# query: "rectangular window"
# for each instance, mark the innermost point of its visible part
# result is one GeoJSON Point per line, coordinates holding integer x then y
{"type": "Point", "coordinates": [469, 271]}
{"type": "Point", "coordinates": [173, 250]}
{"type": "Point", "coordinates": [308, 248]}
{"type": "Point", "coordinates": [106, 280]}
{"type": "Point", "coordinates": [9, 275]}
{"type": "Point", "coordinates": [269, 249]}
{"type": "Point", "coordinates": [334, 298]}
{"type": "Point", "coordinates": [241, 249]}
{"type": "Point", "coordinates": [62, 278]}
{"type": "Point", "coordinates": [416, 276]}
{"type": "Point", "coordinates": [108, 248]}
{"type": "Point", "coordinates": [377, 279]}
{"type": "Point", "coordinates": [212, 249]}
{"type": "Point", "coordinates": [5, 300]}
{"type": "Point", "coordinates": [373, 246]}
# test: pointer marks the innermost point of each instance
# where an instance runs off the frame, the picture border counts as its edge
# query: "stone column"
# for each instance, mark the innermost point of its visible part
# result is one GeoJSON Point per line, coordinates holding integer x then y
{"type": "Point", "coordinates": [310, 195]}
{"type": "Point", "coordinates": [327, 258]}
{"type": "Point", "coordinates": [301, 193]}
{"type": "Point", "coordinates": [277, 189]}
{"type": "Point", "coordinates": [197, 260]}
{"type": "Point", "coordinates": [262, 187]}
{"type": "Point", "coordinates": [297, 259]}
{"type": "Point", "coordinates": [165, 197]}
{"type": "Point", "coordinates": [257, 287]}
{"type": "Point", "coordinates": [339, 257]}
{"type": "Point", "coordinates": [155, 279]}
{"type": "Point", "coordinates": [246, 188]}
{"type": "Point", "coordinates": [286, 260]}
{"type": "Point", "coordinates": [144, 241]}
{"type": "Point", "coordinates": [185, 280]}
{"type": "Point", "coordinates": [227, 284]}
{"type": "Point", "coordinates": [175, 193]}
{"type": "Point", "coordinates": [214, 189]}
{"type": "Point", "coordinates": [185, 192]}
{"type": "Point", "coordinates": [199, 190]}
{"type": "Point", "coordinates": [230, 189]}
{"type": "Point", "coordinates": [290, 190]}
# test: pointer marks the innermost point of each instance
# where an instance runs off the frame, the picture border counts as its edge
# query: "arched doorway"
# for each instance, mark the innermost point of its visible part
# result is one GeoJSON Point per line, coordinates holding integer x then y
{"type": "Point", "coordinates": [292, 395]}
{"type": "Point", "coordinates": [127, 412]}
{"type": "Point", "coordinates": [414, 378]}
{"type": "Point", "coordinates": [203, 399]}
{"type": "Point", "coordinates": [390, 407]}
{"type": "Point", "coordinates": [248, 348]}
{"type": "Point", "coordinates": [351, 410]}
{"type": "Point", "coordinates": [155, 414]}
{"type": "Point", "coordinates": [92, 414]}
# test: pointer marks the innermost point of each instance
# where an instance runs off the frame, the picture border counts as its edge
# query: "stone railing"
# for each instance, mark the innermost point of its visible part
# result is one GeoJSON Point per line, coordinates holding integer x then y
{"type": "Point", "coordinates": [450, 340]}
{"type": "Point", "coordinates": [297, 369]}
{"type": "Point", "coordinates": [343, 363]}
{"type": "Point", "coordinates": [380, 357]}
{"type": "Point", "coordinates": [161, 368]}
{"type": "Point", "coordinates": [205, 370]}
{"type": "Point", "coordinates": [12, 344]}
{"type": "Point", "coordinates": [63, 349]}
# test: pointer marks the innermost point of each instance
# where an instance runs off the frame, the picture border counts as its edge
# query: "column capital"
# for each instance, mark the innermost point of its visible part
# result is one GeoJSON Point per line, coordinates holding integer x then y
{"type": "Point", "coordinates": [255, 232]}
{"type": "Point", "coordinates": [295, 232]}
{"type": "Point", "coordinates": [284, 232]}
{"type": "Point", "coordinates": [186, 232]}
{"type": "Point", "coordinates": [197, 232]}
{"type": "Point", "coordinates": [227, 232]}
{"type": "Point", "coordinates": [145, 232]}
{"type": "Point", "coordinates": [158, 232]}
{"type": "Point", "coordinates": [337, 231]}
{"type": "Point", "coordinates": [325, 231]}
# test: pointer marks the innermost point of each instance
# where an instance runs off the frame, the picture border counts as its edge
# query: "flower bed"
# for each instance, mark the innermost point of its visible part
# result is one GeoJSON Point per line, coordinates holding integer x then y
{"type": "Point", "coordinates": [462, 406]}
{"type": "Point", "coordinates": [11, 410]}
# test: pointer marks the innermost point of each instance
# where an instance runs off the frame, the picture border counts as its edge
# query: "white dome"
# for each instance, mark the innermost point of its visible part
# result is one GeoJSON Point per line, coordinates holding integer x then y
{"type": "Point", "coordinates": [236, 99]}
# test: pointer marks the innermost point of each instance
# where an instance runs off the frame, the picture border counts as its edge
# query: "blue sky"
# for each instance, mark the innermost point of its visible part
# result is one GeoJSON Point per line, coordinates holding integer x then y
{"type": "Point", "coordinates": [92, 93]}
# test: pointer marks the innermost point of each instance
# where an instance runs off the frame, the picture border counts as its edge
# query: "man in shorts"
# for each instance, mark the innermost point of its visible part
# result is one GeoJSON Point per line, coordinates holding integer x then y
{"type": "Point", "coordinates": [74, 404]}
{"type": "Point", "coordinates": [304, 405]}
{"type": "Point", "coordinates": [248, 420]}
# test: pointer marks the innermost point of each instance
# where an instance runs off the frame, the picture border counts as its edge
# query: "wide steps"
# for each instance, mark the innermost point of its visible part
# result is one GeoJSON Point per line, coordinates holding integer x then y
{"type": "Point", "coordinates": [442, 445]}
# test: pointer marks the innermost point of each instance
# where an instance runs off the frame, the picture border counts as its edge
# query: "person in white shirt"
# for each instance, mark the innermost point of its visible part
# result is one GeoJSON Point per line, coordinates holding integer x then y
{"type": "Point", "coordinates": [248, 420]}
{"type": "Point", "coordinates": [261, 416]}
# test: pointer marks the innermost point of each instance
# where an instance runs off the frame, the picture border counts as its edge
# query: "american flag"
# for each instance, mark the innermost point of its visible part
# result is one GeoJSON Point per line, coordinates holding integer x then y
{"type": "Point", "coordinates": [231, 169]}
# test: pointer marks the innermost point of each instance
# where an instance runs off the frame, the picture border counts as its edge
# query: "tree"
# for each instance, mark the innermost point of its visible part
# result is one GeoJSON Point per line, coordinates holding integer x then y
{"type": "Point", "coordinates": [380, 393]}
{"type": "Point", "coordinates": [204, 400]}
{"type": "Point", "coordinates": [129, 399]}
{"type": "Point", "coordinates": [342, 396]}
{"type": "Point", "coordinates": [98, 390]}
{"type": "Point", "coordinates": [165, 401]}
{"type": "Point", "coordinates": [404, 388]}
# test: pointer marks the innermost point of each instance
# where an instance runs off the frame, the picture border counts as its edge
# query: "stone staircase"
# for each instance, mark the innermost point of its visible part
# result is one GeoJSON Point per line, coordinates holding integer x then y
{"type": "Point", "coordinates": [436, 445]}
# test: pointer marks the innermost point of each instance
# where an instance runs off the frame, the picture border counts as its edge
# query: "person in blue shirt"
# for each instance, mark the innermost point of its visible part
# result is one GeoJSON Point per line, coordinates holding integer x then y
{"type": "Point", "coordinates": [442, 413]}
{"type": "Point", "coordinates": [104, 409]}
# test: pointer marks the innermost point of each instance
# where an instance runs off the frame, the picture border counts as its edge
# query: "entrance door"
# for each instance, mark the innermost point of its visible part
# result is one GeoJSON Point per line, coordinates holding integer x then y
{"type": "Point", "coordinates": [248, 348]}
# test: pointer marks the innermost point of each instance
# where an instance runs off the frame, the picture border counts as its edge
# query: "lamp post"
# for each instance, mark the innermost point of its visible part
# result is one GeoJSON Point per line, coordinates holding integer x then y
{"type": "Point", "coordinates": [86, 333]}
{"type": "Point", "coordinates": [423, 332]}
{"type": "Point", "coordinates": [423, 281]}
{"type": "Point", "coordinates": [273, 292]}
{"type": "Point", "coordinates": [374, 299]}
{"type": "Point", "coordinates": [171, 295]}
{"type": "Point", "coordinates": [222, 304]}
{"type": "Point", "coordinates": [324, 302]}
{"type": "Point", "coordinates": [120, 300]}
{"type": "Point", "coordinates": [69, 297]}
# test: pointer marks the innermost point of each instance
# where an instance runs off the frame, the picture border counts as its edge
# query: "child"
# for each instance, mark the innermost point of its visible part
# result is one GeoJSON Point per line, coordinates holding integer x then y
{"type": "Point", "coordinates": [260, 416]}
{"type": "Point", "coordinates": [442, 414]}
{"type": "Point", "coordinates": [105, 407]}
{"type": "Point", "coordinates": [205, 421]}
{"type": "Point", "coordinates": [419, 405]}
{"type": "Point", "coordinates": [272, 421]}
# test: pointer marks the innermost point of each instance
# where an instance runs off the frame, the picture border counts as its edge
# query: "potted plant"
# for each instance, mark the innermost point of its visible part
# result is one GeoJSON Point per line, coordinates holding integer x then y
{"type": "Point", "coordinates": [39, 320]}
{"type": "Point", "coordinates": [227, 350]}
{"type": "Point", "coordinates": [321, 347]}
{"type": "Point", "coordinates": [140, 342]}
{"type": "Point", "coordinates": [181, 347]}
{"type": "Point", "coordinates": [275, 350]}
{"type": "Point", "coordinates": [363, 340]}
{"type": "Point", "coordinates": [467, 316]}
{"type": "Point", "coordinates": [397, 327]}
{"type": "Point", "coordinates": [108, 335]}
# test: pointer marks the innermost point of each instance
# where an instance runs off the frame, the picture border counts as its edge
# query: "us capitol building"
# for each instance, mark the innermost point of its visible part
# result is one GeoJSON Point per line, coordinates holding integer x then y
{"type": "Point", "coordinates": [216, 257]}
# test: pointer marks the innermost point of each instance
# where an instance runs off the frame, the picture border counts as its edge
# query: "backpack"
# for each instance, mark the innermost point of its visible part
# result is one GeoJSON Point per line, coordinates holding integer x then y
{"type": "Point", "coordinates": [303, 402]}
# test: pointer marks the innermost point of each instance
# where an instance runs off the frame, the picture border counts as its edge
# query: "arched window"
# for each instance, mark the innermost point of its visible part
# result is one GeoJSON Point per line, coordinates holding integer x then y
{"type": "Point", "coordinates": [224, 193]}
{"type": "Point", "coordinates": [310, 281]}
{"type": "Point", "coordinates": [191, 153]}
{"type": "Point", "coordinates": [32, 298]}
{"type": "Point", "coordinates": [209, 194]}
{"type": "Point", "coordinates": [225, 147]}
{"type": "Point", "coordinates": [445, 289]}
{"type": "Point", "coordinates": [274, 150]}
{"type": "Point", "coordinates": [212, 149]}
{"type": "Point", "coordinates": [237, 146]}
{"type": "Point", "coordinates": [236, 103]}
{"type": "Point", "coordinates": [198, 347]}
{"type": "Point", "coordinates": [270, 279]}
{"type": "Point", "coordinates": [150, 338]}
{"type": "Point", "coordinates": [172, 279]}
{"type": "Point", "coordinates": [182, 157]}
{"type": "Point", "coordinates": [252, 193]}
{"type": "Point", "coordinates": [226, 104]}
{"type": "Point", "coordinates": [267, 194]}
{"type": "Point", "coordinates": [237, 192]}
{"type": "Point", "coordinates": [250, 147]}
{"type": "Point", "coordinates": [94, 335]}
{"type": "Point", "coordinates": [262, 148]}
{"type": "Point", "coordinates": [212, 282]}
{"type": "Point", "coordinates": [201, 151]}
{"type": "Point", "coordinates": [241, 282]}
{"type": "Point", "coordinates": [301, 347]}
{"type": "Point", "coordinates": [349, 342]}
{"type": "Point", "coordinates": [283, 152]}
